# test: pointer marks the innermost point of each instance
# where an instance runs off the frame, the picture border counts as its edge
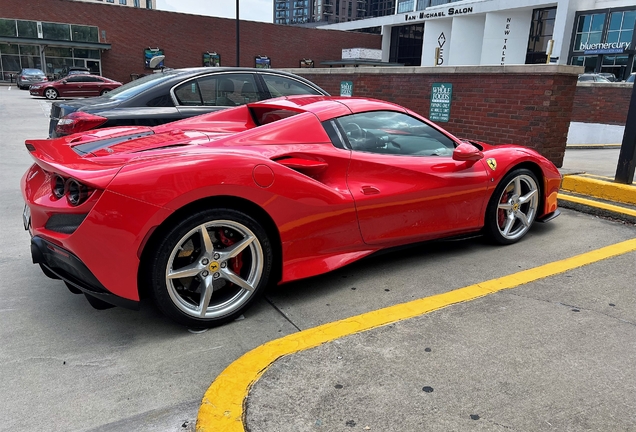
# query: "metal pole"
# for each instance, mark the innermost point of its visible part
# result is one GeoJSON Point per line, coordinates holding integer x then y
{"type": "Point", "coordinates": [627, 156]}
{"type": "Point", "coordinates": [238, 45]}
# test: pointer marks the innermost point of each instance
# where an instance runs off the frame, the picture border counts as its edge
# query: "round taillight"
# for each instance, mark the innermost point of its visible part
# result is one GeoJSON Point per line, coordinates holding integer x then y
{"type": "Point", "coordinates": [77, 192]}
{"type": "Point", "coordinates": [58, 186]}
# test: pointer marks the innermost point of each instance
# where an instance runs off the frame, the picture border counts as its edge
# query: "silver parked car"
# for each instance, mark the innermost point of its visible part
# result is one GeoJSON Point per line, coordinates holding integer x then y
{"type": "Point", "coordinates": [29, 76]}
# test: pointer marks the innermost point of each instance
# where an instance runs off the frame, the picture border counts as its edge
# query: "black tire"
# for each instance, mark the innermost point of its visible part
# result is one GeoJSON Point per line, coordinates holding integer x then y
{"type": "Point", "coordinates": [103, 92]}
{"type": "Point", "coordinates": [235, 264]}
{"type": "Point", "coordinates": [50, 93]}
{"type": "Point", "coordinates": [513, 207]}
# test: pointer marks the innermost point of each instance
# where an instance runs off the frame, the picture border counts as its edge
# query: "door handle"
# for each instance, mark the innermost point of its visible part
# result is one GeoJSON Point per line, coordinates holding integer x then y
{"type": "Point", "coordinates": [370, 190]}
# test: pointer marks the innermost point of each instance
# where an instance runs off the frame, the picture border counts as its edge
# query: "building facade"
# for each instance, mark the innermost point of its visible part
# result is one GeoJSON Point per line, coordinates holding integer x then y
{"type": "Point", "coordinates": [117, 42]}
{"type": "Point", "coordinates": [145, 4]}
{"type": "Point", "coordinates": [597, 34]}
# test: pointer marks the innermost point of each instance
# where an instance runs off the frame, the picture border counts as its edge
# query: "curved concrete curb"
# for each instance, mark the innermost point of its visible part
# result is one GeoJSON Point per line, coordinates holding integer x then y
{"type": "Point", "coordinates": [599, 188]}
{"type": "Point", "coordinates": [222, 408]}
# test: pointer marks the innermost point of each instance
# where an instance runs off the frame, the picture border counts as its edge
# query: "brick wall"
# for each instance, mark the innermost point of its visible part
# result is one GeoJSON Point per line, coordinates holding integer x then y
{"type": "Point", "coordinates": [525, 105]}
{"type": "Point", "coordinates": [184, 38]}
{"type": "Point", "coordinates": [602, 103]}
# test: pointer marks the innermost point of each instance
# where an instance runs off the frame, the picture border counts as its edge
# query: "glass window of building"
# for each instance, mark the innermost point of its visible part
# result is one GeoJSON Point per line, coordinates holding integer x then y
{"type": "Point", "coordinates": [405, 6]}
{"type": "Point", "coordinates": [8, 28]}
{"type": "Point", "coordinates": [84, 33]}
{"type": "Point", "coordinates": [27, 29]}
{"type": "Point", "coordinates": [406, 44]}
{"type": "Point", "coordinates": [621, 27]}
{"type": "Point", "coordinates": [589, 30]}
{"type": "Point", "coordinates": [589, 62]}
{"type": "Point", "coordinates": [541, 31]}
{"type": "Point", "coordinates": [56, 31]}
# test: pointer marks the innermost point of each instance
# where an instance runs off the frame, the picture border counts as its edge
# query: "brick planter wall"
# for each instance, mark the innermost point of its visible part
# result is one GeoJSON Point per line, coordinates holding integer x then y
{"type": "Point", "coordinates": [184, 38]}
{"type": "Point", "coordinates": [526, 105]}
{"type": "Point", "coordinates": [602, 103]}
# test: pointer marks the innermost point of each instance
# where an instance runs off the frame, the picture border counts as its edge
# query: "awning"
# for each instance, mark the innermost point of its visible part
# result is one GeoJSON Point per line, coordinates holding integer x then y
{"type": "Point", "coordinates": [54, 43]}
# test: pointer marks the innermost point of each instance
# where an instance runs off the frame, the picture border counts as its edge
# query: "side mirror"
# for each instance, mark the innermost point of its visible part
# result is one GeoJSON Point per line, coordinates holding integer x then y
{"type": "Point", "coordinates": [63, 81]}
{"type": "Point", "coordinates": [467, 152]}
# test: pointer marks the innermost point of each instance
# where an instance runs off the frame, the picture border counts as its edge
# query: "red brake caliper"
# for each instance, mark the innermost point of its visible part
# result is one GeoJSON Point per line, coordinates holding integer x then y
{"type": "Point", "coordinates": [501, 214]}
{"type": "Point", "coordinates": [235, 263]}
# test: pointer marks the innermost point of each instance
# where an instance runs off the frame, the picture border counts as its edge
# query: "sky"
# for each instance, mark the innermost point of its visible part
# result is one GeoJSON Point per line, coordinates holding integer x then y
{"type": "Point", "coordinates": [250, 10]}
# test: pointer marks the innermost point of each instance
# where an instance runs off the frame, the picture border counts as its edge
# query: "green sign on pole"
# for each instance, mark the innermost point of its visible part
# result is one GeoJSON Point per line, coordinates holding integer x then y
{"type": "Point", "coordinates": [441, 96]}
{"type": "Point", "coordinates": [346, 88]}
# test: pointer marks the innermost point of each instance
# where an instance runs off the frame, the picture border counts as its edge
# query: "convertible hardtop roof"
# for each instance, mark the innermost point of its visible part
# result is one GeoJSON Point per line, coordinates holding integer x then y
{"type": "Point", "coordinates": [325, 107]}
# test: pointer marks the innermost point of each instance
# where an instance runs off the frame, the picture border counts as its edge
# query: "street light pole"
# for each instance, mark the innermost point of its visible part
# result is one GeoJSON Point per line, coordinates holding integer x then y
{"type": "Point", "coordinates": [238, 47]}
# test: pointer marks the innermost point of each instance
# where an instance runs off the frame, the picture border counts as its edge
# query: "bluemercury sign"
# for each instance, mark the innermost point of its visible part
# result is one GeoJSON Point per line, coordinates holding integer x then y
{"type": "Point", "coordinates": [439, 14]}
{"type": "Point", "coordinates": [441, 96]}
{"type": "Point", "coordinates": [605, 48]}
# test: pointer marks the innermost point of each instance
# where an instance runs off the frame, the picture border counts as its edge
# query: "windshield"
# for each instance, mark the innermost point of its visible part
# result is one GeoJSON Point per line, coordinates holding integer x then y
{"type": "Point", "coordinates": [140, 85]}
{"type": "Point", "coordinates": [32, 72]}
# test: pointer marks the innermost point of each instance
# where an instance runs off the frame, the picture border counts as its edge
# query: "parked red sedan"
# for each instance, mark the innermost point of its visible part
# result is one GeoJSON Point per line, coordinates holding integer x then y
{"type": "Point", "coordinates": [74, 86]}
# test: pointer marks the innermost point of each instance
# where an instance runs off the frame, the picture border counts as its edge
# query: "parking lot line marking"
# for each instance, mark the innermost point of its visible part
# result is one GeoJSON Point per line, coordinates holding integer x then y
{"type": "Point", "coordinates": [601, 205]}
{"type": "Point", "coordinates": [222, 407]}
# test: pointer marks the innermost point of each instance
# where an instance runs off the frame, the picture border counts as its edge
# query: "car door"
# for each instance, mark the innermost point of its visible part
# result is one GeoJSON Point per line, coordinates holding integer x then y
{"type": "Point", "coordinates": [92, 86]}
{"type": "Point", "coordinates": [215, 92]}
{"type": "Point", "coordinates": [76, 86]}
{"type": "Point", "coordinates": [404, 181]}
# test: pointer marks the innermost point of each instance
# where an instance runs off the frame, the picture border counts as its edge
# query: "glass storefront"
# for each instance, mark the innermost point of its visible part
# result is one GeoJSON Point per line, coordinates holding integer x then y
{"type": "Point", "coordinates": [603, 41]}
{"type": "Point", "coordinates": [52, 47]}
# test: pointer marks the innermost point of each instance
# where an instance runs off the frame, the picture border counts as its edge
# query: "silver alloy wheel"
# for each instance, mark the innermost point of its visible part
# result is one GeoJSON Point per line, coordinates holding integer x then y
{"type": "Point", "coordinates": [207, 277]}
{"type": "Point", "coordinates": [50, 93]}
{"type": "Point", "coordinates": [517, 207]}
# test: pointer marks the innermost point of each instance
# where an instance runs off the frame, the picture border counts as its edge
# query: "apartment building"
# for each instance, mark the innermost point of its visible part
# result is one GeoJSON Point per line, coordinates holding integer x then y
{"type": "Point", "coordinates": [146, 4]}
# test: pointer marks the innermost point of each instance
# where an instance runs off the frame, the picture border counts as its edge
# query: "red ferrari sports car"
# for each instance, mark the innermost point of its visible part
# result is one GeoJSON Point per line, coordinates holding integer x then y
{"type": "Point", "coordinates": [203, 213]}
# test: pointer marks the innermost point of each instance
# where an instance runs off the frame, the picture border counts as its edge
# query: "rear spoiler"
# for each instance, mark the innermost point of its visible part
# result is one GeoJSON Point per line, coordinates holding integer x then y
{"type": "Point", "coordinates": [55, 155]}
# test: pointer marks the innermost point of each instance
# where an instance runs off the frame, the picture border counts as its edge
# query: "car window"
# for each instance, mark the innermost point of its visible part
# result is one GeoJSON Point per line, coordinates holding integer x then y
{"type": "Point", "coordinates": [218, 90]}
{"type": "Point", "coordinates": [32, 72]}
{"type": "Point", "coordinates": [139, 85]}
{"type": "Point", "coordinates": [283, 86]}
{"type": "Point", "coordinates": [78, 78]}
{"type": "Point", "coordinates": [188, 94]}
{"type": "Point", "coordinates": [389, 132]}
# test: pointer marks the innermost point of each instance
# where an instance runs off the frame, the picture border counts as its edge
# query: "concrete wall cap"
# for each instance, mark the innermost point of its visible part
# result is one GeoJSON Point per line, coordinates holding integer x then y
{"type": "Point", "coordinates": [605, 85]}
{"type": "Point", "coordinates": [410, 70]}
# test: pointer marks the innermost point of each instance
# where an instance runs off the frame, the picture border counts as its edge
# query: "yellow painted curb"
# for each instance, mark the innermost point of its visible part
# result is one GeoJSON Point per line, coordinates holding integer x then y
{"type": "Point", "coordinates": [222, 407]}
{"type": "Point", "coordinates": [591, 203]}
{"type": "Point", "coordinates": [599, 188]}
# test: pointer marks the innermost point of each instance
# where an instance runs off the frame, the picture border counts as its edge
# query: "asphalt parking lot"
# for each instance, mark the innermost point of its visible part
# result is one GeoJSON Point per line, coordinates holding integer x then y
{"type": "Point", "coordinates": [555, 353]}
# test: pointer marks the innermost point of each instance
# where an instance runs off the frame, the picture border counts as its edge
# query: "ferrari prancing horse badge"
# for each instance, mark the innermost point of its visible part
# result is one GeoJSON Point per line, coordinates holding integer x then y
{"type": "Point", "coordinates": [492, 163]}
